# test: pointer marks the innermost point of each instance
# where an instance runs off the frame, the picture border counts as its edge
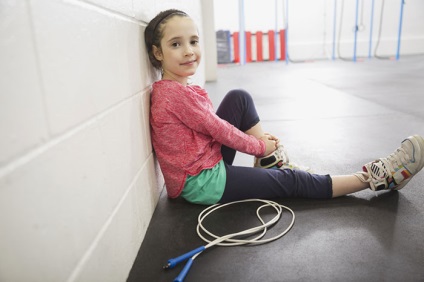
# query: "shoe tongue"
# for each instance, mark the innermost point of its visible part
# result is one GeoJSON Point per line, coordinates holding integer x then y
{"type": "Point", "coordinates": [378, 169]}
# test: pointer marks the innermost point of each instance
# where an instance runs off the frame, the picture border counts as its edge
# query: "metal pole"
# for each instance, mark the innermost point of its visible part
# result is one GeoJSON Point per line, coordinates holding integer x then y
{"type": "Point", "coordinates": [242, 37]}
{"type": "Point", "coordinates": [287, 31]}
{"type": "Point", "coordinates": [276, 30]}
{"type": "Point", "coordinates": [371, 26]}
{"type": "Point", "coordinates": [334, 30]}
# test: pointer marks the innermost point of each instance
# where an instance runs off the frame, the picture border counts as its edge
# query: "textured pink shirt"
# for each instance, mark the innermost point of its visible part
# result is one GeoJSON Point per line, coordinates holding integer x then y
{"type": "Point", "coordinates": [187, 134]}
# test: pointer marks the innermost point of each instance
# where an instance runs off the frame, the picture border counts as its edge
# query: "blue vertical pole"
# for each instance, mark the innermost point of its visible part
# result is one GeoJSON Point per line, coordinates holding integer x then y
{"type": "Point", "coordinates": [402, 2]}
{"type": "Point", "coordinates": [371, 26]}
{"type": "Point", "coordinates": [333, 56]}
{"type": "Point", "coordinates": [242, 37]}
{"type": "Point", "coordinates": [356, 31]}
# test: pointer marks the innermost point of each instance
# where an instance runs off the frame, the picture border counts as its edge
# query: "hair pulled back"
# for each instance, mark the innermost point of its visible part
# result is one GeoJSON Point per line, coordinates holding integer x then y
{"type": "Point", "coordinates": [154, 32]}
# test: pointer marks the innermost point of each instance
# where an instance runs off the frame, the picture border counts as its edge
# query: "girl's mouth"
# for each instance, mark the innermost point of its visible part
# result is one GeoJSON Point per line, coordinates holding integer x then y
{"type": "Point", "coordinates": [188, 63]}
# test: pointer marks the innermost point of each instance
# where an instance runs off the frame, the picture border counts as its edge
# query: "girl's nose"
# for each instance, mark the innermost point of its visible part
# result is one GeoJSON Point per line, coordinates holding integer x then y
{"type": "Point", "coordinates": [189, 51]}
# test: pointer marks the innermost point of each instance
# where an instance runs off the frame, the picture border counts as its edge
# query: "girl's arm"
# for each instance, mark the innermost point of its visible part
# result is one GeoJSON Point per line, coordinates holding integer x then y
{"type": "Point", "coordinates": [197, 113]}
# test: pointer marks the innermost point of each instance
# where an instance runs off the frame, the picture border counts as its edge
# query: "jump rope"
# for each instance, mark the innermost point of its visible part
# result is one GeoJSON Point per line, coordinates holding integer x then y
{"type": "Point", "coordinates": [229, 239]}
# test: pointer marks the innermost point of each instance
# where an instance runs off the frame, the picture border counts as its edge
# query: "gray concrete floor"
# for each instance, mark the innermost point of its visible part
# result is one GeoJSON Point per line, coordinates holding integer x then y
{"type": "Point", "coordinates": [333, 116]}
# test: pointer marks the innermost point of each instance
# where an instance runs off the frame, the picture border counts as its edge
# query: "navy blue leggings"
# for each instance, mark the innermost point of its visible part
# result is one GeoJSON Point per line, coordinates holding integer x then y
{"type": "Point", "coordinates": [247, 182]}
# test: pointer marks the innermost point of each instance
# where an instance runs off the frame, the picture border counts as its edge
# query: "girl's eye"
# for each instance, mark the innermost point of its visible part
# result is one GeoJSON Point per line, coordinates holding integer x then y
{"type": "Point", "coordinates": [175, 44]}
{"type": "Point", "coordinates": [194, 42]}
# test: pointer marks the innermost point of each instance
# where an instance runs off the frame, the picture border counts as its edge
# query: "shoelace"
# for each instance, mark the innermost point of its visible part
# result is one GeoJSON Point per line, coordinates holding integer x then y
{"type": "Point", "coordinates": [400, 157]}
{"type": "Point", "coordinates": [363, 176]}
{"type": "Point", "coordinates": [279, 152]}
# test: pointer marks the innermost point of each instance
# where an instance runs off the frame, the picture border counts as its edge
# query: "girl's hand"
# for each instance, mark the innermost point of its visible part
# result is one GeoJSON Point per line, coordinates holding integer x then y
{"type": "Point", "coordinates": [272, 137]}
{"type": "Point", "coordinates": [271, 144]}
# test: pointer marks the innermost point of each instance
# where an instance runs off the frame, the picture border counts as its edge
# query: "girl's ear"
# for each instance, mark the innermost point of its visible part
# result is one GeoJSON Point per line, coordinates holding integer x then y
{"type": "Point", "coordinates": [157, 52]}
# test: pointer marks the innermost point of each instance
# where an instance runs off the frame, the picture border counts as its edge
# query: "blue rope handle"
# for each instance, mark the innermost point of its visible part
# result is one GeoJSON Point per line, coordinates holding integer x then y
{"type": "Point", "coordinates": [174, 261]}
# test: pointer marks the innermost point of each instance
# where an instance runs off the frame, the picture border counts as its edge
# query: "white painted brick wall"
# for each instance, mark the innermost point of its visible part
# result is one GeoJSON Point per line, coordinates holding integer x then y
{"type": "Point", "coordinates": [78, 179]}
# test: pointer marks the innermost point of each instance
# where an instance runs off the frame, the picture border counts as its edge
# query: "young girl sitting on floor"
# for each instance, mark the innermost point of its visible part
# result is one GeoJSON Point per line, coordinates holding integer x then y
{"type": "Point", "coordinates": [196, 147]}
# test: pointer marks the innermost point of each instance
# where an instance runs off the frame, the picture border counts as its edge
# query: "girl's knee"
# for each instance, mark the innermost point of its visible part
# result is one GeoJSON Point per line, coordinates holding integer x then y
{"type": "Point", "coordinates": [239, 95]}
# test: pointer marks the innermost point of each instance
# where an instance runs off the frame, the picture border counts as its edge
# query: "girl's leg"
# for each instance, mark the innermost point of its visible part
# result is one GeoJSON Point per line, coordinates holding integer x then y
{"type": "Point", "coordinates": [238, 109]}
{"type": "Point", "coordinates": [256, 130]}
{"type": "Point", "coordinates": [390, 173]}
{"type": "Point", "coordinates": [347, 184]}
{"type": "Point", "coordinates": [249, 183]}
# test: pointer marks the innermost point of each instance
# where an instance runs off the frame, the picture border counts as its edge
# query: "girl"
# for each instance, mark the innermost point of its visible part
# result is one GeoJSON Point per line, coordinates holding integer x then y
{"type": "Point", "coordinates": [196, 147]}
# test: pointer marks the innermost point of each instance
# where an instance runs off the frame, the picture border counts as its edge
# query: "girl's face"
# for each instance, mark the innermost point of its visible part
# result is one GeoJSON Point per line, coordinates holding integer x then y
{"type": "Point", "coordinates": [179, 50]}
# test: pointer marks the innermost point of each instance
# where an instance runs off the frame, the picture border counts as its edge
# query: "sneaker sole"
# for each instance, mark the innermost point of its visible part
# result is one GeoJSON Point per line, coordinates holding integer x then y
{"type": "Point", "coordinates": [419, 150]}
{"type": "Point", "coordinates": [418, 143]}
{"type": "Point", "coordinates": [421, 142]}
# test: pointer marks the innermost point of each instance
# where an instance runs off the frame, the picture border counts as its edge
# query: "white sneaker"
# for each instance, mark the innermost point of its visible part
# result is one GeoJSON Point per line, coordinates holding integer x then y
{"type": "Point", "coordinates": [395, 171]}
{"type": "Point", "coordinates": [278, 160]}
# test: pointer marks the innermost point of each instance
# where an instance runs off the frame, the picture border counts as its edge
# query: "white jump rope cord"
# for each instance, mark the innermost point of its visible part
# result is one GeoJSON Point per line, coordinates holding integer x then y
{"type": "Point", "coordinates": [227, 239]}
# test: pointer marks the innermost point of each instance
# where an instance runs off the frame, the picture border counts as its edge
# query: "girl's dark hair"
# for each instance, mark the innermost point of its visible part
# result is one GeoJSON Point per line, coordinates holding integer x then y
{"type": "Point", "coordinates": [154, 32]}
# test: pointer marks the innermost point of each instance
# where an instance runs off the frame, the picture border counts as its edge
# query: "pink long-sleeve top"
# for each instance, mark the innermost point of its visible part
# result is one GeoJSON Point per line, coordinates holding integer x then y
{"type": "Point", "coordinates": [187, 134]}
